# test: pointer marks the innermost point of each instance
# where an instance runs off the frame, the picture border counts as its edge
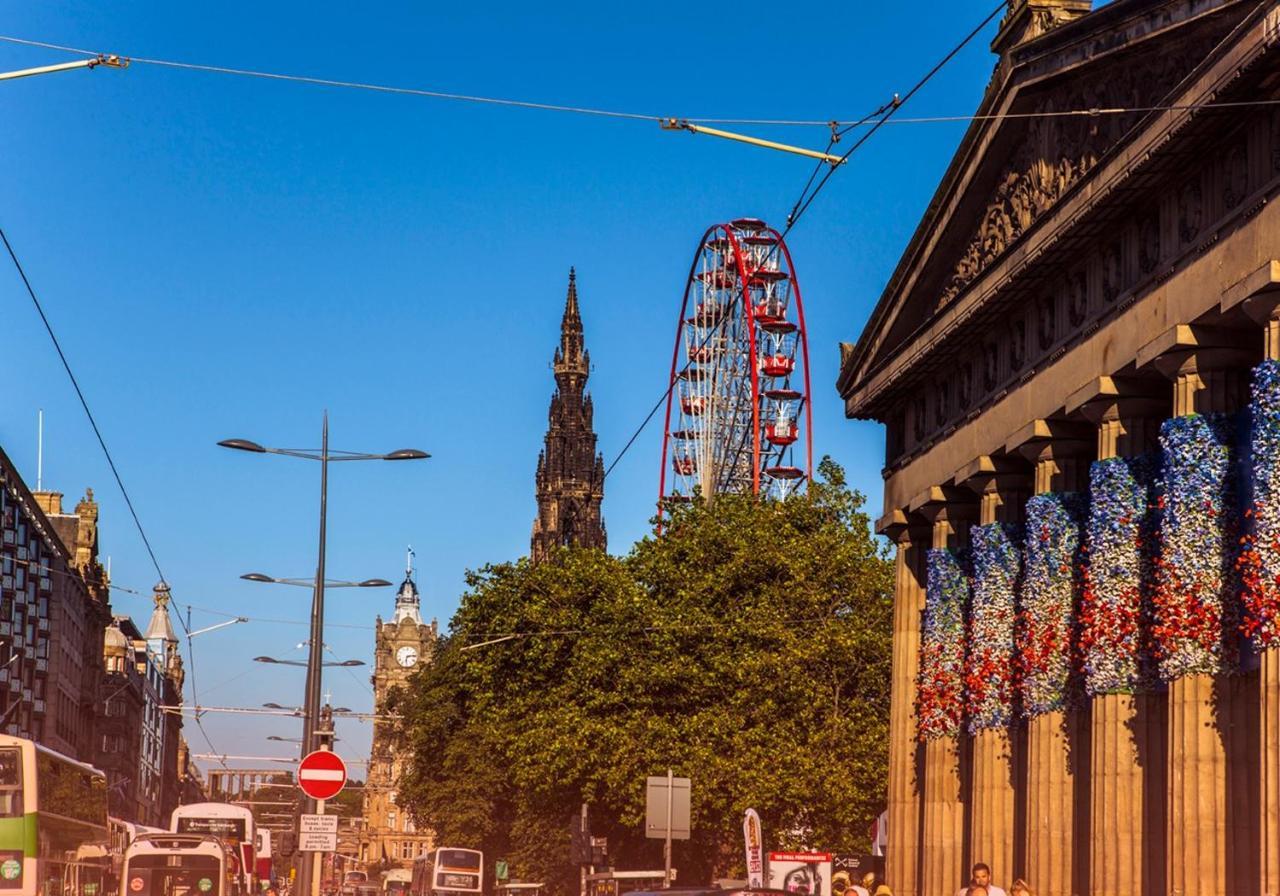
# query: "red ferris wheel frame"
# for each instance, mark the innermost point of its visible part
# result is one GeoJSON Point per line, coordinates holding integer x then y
{"type": "Point", "coordinates": [754, 261]}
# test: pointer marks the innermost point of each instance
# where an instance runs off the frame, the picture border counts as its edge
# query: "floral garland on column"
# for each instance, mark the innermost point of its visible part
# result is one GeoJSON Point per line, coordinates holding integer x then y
{"type": "Point", "coordinates": [989, 663]}
{"type": "Point", "coordinates": [1118, 574]}
{"type": "Point", "coordinates": [940, 688]}
{"type": "Point", "coordinates": [1047, 621]}
{"type": "Point", "coordinates": [1196, 613]}
{"type": "Point", "coordinates": [1259, 562]}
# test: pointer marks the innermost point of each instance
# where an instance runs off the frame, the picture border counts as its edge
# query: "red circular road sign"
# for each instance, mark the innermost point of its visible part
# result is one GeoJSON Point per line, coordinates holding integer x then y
{"type": "Point", "coordinates": [322, 774]}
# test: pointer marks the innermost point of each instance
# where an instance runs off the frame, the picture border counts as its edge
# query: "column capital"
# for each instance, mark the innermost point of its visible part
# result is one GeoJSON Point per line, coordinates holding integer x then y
{"type": "Point", "coordinates": [1116, 397]}
{"type": "Point", "coordinates": [1059, 451]}
{"type": "Point", "coordinates": [950, 510]}
{"type": "Point", "coordinates": [1050, 434]}
{"type": "Point", "coordinates": [992, 471]}
{"type": "Point", "coordinates": [903, 528]}
{"type": "Point", "coordinates": [1191, 348]}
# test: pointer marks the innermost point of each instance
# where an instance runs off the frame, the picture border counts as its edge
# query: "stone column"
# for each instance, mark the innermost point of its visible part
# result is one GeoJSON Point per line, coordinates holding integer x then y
{"type": "Point", "coordinates": [1264, 308]}
{"type": "Point", "coordinates": [1202, 708]}
{"type": "Point", "coordinates": [944, 840]}
{"type": "Point", "coordinates": [996, 816]}
{"type": "Point", "coordinates": [906, 755]}
{"type": "Point", "coordinates": [1126, 739]}
{"type": "Point", "coordinates": [1057, 742]}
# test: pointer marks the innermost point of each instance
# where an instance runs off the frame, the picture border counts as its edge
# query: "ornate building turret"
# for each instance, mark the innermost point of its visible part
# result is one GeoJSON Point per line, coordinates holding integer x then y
{"type": "Point", "coordinates": [570, 477]}
{"type": "Point", "coordinates": [160, 637]}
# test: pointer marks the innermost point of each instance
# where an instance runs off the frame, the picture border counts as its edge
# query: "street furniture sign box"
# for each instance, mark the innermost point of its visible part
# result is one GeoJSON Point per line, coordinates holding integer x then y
{"type": "Point", "coordinates": [657, 794]}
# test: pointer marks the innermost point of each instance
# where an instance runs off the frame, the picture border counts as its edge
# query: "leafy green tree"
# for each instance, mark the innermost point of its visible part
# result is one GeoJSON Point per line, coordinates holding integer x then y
{"type": "Point", "coordinates": [747, 648]}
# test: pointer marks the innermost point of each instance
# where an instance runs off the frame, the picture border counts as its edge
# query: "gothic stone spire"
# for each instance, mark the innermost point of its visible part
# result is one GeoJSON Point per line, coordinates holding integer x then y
{"type": "Point", "coordinates": [570, 475]}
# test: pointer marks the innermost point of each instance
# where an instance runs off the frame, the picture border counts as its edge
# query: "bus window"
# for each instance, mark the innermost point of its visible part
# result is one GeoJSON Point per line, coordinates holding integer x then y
{"type": "Point", "coordinates": [10, 782]}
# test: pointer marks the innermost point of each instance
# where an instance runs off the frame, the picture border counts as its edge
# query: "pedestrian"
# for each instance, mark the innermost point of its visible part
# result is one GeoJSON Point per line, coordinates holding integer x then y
{"type": "Point", "coordinates": [1020, 888]}
{"type": "Point", "coordinates": [883, 890]}
{"type": "Point", "coordinates": [980, 876]}
{"type": "Point", "coordinates": [977, 890]}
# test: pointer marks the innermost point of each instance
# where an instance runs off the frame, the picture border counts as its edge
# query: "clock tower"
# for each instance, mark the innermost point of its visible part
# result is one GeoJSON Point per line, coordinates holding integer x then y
{"type": "Point", "coordinates": [401, 644]}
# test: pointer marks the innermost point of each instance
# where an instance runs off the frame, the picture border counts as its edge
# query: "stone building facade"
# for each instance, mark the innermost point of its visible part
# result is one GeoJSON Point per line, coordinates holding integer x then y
{"type": "Point", "coordinates": [1076, 365]}
{"type": "Point", "coordinates": [570, 477]}
{"type": "Point", "coordinates": [139, 742]}
{"type": "Point", "coordinates": [53, 611]}
{"type": "Point", "coordinates": [387, 835]}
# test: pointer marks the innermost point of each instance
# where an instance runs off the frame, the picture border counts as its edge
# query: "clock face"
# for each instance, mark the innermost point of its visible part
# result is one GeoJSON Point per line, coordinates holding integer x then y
{"type": "Point", "coordinates": [407, 656]}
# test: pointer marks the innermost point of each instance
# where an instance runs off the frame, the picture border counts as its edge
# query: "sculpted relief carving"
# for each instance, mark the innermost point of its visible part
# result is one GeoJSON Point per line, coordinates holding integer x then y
{"type": "Point", "coordinates": [1057, 152]}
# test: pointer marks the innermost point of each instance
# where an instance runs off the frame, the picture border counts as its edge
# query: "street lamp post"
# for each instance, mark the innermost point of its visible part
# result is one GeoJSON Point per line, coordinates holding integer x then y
{"type": "Point", "coordinates": [311, 705]}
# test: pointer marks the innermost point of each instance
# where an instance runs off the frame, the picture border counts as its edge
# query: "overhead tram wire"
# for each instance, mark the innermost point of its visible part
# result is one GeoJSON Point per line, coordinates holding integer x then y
{"type": "Point", "coordinates": [115, 472]}
{"type": "Point", "coordinates": [836, 125]}
{"type": "Point", "coordinates": [806, 198]}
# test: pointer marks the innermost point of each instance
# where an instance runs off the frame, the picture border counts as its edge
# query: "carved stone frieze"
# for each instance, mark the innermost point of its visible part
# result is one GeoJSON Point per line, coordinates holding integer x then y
{"type": "Point", "coordinates": [1112, 271]}
{"type": "Point", "coordinates": [1077, 298]}
{"type": "Point", "coordinates": [1149, 241]}
{"type": "Point", "coordinates": [1235, 175]}
{"type": "Point", "coordinates": [1060, 149]}
{"type": "Point", "coordinates": [1190, 210]}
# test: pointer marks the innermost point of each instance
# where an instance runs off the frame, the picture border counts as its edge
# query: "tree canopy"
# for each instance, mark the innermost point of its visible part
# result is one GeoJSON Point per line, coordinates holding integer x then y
{"type": "Point", "coordinates": [747, 648]}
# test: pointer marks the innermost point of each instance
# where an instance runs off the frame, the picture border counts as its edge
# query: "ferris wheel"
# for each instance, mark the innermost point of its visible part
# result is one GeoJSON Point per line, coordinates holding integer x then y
{"type": "Point", "coordinates": [738, 405]}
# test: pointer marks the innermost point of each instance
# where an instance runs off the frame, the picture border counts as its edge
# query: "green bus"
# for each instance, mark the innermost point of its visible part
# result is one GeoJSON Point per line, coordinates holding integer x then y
{"type": "Point", "coordinates": [53, 823]}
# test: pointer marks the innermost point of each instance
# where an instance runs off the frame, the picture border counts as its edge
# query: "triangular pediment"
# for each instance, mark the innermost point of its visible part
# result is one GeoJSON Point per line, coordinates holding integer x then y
{"type": "Point", "coordinates": [1031, 145]}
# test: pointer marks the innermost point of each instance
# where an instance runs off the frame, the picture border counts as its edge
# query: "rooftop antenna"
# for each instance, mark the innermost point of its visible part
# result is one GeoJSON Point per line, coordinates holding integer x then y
{"type": "Point", "coordinates": [40, 450]}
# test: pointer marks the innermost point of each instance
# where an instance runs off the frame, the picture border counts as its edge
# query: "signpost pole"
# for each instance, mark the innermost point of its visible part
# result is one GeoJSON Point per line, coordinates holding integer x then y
{"type": "Point", "coordinates": [317, 858]}
{"type": "Point", "coordinates": [666, 846]}
{"type": "Point", "coordinates": [582, 869]}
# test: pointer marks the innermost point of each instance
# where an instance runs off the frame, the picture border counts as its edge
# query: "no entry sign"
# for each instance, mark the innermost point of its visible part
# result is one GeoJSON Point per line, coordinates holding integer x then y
{"type": "Point", "coordinates": [322, 774]}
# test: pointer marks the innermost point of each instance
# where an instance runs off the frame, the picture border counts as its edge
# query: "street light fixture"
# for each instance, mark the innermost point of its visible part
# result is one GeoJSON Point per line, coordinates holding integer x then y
{"type": "Point", "coordinates": [276, 662]}
{"type": "Point", "coordinates": [311, 706]}
{"type": "Point", "coordinates": [290, 740]}
{"type": "Point", "coordinates": [311, 583]}
{"type": "Point", "coordinates": [297, 710]}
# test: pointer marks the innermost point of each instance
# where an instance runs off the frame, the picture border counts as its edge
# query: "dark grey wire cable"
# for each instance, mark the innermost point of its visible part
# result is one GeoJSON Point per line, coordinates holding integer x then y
{"type": "Point", "coordinates": [802, 204]}
{"type": "Point", "coordinates": [106, 452]}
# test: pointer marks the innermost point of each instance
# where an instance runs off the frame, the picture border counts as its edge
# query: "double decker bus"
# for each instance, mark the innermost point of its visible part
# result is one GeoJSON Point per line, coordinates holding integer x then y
{"type": "Point", "coordinates": [169, 864]}
{"type": "Point", "coordinates": [53, 823]}
{"type": "Point", "coordinates": [448, 870]}
{"type": "Point", "coordinates": [232, 825]}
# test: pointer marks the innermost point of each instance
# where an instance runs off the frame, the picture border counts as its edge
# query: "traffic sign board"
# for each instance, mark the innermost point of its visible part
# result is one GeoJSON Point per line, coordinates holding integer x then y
{"type": "Point", "coordinates": [321, 775]}
{"type": "Point", "coordinates": [318, 824]}
{"type": "Point", "coordinates": [318, 842]}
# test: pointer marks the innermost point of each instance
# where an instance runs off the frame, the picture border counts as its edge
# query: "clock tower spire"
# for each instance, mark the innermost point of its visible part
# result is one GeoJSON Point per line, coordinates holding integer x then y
{"type": "Point", "coordinates": [400, 645]}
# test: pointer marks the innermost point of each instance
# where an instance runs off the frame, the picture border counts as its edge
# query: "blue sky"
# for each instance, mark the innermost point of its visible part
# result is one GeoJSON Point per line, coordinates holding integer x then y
{"type": "Point", "coordinates": [228, 257]}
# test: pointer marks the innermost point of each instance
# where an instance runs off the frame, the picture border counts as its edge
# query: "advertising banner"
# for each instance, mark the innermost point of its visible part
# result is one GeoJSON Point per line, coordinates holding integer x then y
{"type": "Point", "coordinates": [754, 840]}
{"type": "Point", "coordinates": [801, 873]}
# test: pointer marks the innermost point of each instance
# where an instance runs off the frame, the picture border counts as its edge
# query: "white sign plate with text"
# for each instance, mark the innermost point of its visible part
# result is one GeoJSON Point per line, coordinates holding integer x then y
{"type": "Point", "coordinates": [318, 824]}
{"type": "Point", "coordinates": [322, 842]}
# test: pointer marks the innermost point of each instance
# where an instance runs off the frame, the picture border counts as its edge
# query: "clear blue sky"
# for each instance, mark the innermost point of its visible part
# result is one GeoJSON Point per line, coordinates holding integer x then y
{"type": "Point", "coordinates": [228, 257]}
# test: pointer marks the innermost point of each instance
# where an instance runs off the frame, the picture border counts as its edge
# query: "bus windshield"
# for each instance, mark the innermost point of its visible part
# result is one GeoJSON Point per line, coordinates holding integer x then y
{"type": "Point", "coordinates": [171, 875]}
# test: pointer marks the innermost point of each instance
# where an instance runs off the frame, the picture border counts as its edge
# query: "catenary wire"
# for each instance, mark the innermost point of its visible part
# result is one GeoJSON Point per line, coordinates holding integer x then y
{"type": "Point", "coordinates": [115, 472]}
{"type": "Point", "coordinates": [837, 125]}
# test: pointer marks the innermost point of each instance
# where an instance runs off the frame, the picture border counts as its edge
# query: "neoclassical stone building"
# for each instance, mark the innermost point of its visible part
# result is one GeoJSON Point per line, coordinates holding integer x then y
{"type": "Point", "coordinates": [1075, 362]}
